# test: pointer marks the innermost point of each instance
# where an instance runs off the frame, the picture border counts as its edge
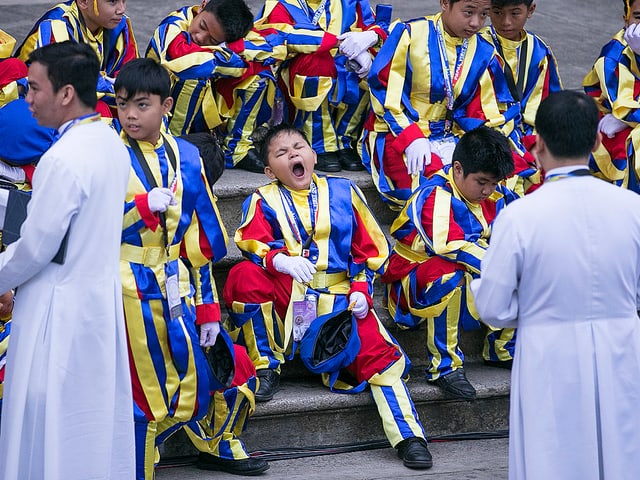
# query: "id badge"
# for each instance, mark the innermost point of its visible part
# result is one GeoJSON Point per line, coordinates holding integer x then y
{"type": "Point", "coordinates": [172, 287]}
{"type": "Point", "coordinates": [304, 312]}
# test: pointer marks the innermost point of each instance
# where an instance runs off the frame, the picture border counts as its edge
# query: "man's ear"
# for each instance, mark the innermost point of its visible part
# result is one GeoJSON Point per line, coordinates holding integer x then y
{"type": "Point", "coordinates": [598, 141]}
{"type": "Point", "coordinates": [67, 93]}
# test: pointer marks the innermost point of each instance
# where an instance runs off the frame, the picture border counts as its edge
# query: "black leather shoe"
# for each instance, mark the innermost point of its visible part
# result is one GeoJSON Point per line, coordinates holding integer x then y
{"type": "Point", "coordinates": [499, 364]}
{"type": "Point", "coordinates": [350, 160]}
{"type": "Point", "coordinates": [414, 453]}
{"type": "Point", "coordinates": [268, 386]}
{"type": "Point", "coordinates": [328, 162]}
{"type": "Point", "coordinates": [251, 162]}
{"type": "Point", "coordinates": [456, 385]}
{"type": "Point", "coordinates": [247, 466]}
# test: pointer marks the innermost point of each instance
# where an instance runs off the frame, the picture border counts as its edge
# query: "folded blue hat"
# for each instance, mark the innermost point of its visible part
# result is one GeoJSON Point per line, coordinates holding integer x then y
{"type": "Point", "coordinates": [23, 139]}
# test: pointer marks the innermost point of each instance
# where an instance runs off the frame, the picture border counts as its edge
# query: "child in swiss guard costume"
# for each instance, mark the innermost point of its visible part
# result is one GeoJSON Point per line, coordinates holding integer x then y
{"type": "Point", "coordinates": [613, 82]}
{"type": "Point", "coordinates": [172, 232]}
{"type": "Point", "coordinates": [312, 244]}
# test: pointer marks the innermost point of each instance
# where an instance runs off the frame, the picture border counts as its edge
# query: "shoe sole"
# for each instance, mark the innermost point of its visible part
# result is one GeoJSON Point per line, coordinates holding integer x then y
{"type": "Point", "coordinates": [219, 468]}
{"type": "Point", "coordinates": [418, 465]}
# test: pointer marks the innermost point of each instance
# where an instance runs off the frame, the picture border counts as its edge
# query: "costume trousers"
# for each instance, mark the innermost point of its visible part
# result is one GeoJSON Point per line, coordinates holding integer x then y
{"type": "Point", "coordinates": [4, 343]}
{"type": "Point", "coordinates": [169, 373]}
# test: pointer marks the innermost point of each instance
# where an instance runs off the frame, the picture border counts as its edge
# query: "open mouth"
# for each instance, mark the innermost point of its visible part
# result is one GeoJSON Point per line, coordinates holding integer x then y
{"type": "Point", "coordinates": [298, 170]}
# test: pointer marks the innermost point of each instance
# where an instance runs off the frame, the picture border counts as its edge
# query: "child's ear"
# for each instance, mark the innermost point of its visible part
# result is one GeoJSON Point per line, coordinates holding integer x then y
{"type": "Point", "coordinates": [532, 9]}
{"type": "Point", "coordinates": [167, 104]}
{"type": "Point", "coordinates": [269, 173]}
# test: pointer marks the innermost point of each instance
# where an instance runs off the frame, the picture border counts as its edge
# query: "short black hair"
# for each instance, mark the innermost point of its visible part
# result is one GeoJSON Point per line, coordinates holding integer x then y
{"type": "Point", "coordinates": [234, 16]}
{"type": "Point", "coordinates": [71, 63]}
{"type": "Point", "coordinates": [507, 3]}
{"type": "Point", "coordinates": [143, 75]}
{"type": "Point", "coordinates": [567, 121]}
{"type": "Point", "coordinates": [264, 143]}
{"type": "Point", "coordinates": [486, 150]}
{"type": "Point", "coordinates": [210, 152]}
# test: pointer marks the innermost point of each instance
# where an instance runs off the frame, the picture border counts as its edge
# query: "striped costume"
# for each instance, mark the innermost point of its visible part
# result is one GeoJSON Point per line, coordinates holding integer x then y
{"type": "Point", "coordinates": [409, 100]}
{"type": "Point", "coordinates": [328, 102]}
{"type": "Point", "coordinates": [229, 87]}
{"type": "Point", "coordinates": [5, 329]}
{"type": "Point", "coordinates": [168, 368]}
{"type": "Point", "coordinates": [113, 47]}
{"type": "Point", "coordinates": [440, 241]}
{"type": "Point", "coordinates": [348, 248]}
{"type": "Point", "coordinates": [614, 82]}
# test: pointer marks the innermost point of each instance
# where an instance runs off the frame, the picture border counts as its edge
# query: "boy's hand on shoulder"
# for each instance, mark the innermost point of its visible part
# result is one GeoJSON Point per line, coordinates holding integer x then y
{"type": "Point", "coordinates": [299, 268]}
{"type": "Point", "coordinates": [632, 37]}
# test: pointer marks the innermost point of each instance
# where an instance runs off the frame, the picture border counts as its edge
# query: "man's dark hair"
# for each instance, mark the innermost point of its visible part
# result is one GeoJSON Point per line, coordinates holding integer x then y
{"type": "Point", "coordinates": [210, 152]}
{"type": "Point", "coordinates": [143, 75]}
{"type": "Point", "coordinates": [71, 63]}
{"type": "Point", "coordinates": [265, 142]}
{"type": "Point", "coordinates": [567, 121]}
{"type": "Point", "coordinates": [485, 150]}
{"type": "Point", "coordinates": [510, 3]}
{"type": "Point", "coordinates": [234, 16]}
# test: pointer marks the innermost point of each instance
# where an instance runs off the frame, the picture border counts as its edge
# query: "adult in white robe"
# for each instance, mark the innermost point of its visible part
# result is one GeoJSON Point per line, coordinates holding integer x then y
{"type": "Point", "coordinates": [67, 411]}
{"type": "Point", "coordinates": [563, 267]}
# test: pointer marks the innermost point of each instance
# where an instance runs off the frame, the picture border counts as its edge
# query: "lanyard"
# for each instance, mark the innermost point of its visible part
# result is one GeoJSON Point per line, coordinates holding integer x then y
{"type": "Point", "coordinates": [582, 172]}
{"type": "Point", "coordinates": [317, 14]}
{"type": "Point", "coordinates": [152, 180]}
{"type": "Point", "coordinates": [450, 82]}
{"type": "Point", "coordinates": [89, 118]}
{"type": "Point", "coordinates": [517, 90]}
{"type": "Point", "coordinates": [293, 219]}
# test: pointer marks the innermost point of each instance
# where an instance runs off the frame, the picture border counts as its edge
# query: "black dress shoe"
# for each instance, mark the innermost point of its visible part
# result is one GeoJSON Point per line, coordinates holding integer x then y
{"type": "Point", "coordinates": [350, 160]}
{"type": "Point", "coordinates": [246, 466]}
{"type": "Point", "coordinates": [251, 162]}
{"type": "Point", "coordinates": [268, 386]}
{"type": "Point", "coordinates": [499, 364]}
{"type": "Point", "coordinates": [414, 453]}
{"type": "Point", "coordinates": [328, 162]}
{"type": "Point", "coordinates": [456, 385]}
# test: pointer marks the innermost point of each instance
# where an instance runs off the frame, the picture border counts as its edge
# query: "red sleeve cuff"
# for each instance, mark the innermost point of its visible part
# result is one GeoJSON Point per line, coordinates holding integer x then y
{"type": "Point", "coordinates": [362, 287]}
{"type": "Point", "coordinates": [150, 219]}
{"type": "Point", "coordinates": [329, 41]}
{"type": "Point", "coordinates": [268, 260]}
{"type": "Point", "coordinates": [408, 135]}
{"type": "Point", "coordinates": [206, 313]}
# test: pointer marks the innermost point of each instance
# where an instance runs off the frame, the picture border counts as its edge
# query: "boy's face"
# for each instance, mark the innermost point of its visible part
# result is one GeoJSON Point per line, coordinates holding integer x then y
{"type": "Point", "coordinates": [464, 18]}
{"type": "Point", "coordinates": [475, 187]}
{"type": "Point", "coordinates": [141, 115]}
{"type": "Point", "coordinates": [109, 14]}
{"type": "Point", "coordinates": [291, 160]}
{"type": "Point", "coordinates": [43, 102]}
{"type": "Point", "coordinates": [634, 13]}
{"type": "Point", "coordinates": [205, 29]}
{"type": "Point", "coordinates": [509, 20]}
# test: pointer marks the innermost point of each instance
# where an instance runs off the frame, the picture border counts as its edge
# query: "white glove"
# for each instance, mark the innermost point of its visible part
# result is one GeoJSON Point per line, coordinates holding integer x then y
{"type": "Point", "coordinates": [361, 307]}
{"type": "Point", "coordinates": [353, 44]}
{"type": "Point", "coordinates": [364, 60]}
{"type": "Point", "coordinates": [632, 37]}
{"type": "Point", "coordinates": [13, 174]}
{"type": "Point", "coordinates": [299, 268]}
{"type": "Point", "coordinates": [208, 333]}
{"type": "Point", "coordinates": [610, 125]}
{"type": "Point", "coordinates": [159, 199]}
{"type": "Point", "coordinates": [418, 155]}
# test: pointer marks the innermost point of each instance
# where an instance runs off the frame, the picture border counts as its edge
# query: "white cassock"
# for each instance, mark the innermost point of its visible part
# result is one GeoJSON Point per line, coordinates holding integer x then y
{"type": "Point", "coordinates": [67, 411]}
{"type": "Point", "coordinates": [563, 266]}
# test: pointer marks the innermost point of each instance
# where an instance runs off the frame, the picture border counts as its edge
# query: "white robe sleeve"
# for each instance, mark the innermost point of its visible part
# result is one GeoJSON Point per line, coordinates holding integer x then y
{"type": "Point", "coordinates": [496, 291]}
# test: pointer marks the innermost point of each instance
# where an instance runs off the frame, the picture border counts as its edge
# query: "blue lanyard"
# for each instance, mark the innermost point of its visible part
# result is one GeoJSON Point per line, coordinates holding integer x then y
{"type": "Point", "coordinates": [293, 219]}
{"type": "Point", "coordinates": [317, 14]}
{"type": "Point", "coordinates": [89, 118]}
{"type": "Point", "coordinates": [581, 172]}
{"type": "Point", "coordinates": [450, 82]}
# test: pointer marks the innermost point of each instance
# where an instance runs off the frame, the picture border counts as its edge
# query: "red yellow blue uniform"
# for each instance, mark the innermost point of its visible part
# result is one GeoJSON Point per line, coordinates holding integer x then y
{"type": "Point", "coordinates": [614, 82]}
{"type": "Point", "coordinates": [5, 330]}
{"type": "Point", "coordinates": [440, 241]}
{"type": "Point", "coordinates": [169, 370]}
{"type": "Point", "coordinates": [328, 102]}
{"type": "Point", "coordinates": [231, 87]}
{"type": "Point", "coordinates": [410, 99]}
{"type": "Point", "coordinates": [348, 248]}
{"type": "Point", "coordinates": [113, 47]}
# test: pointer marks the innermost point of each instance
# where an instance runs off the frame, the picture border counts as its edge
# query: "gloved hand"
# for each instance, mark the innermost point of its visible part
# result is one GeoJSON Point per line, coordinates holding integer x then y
{"type": "Point", "coordinates": [610, 125]}
{"type": "Point", "coordinates": [418, 155]}
{"type": "Point", "coordinates": [632, 37]}
{"type": "Point", "coordinates": [299, 268]}
{"type": "Point", "coordinates": [208, 333]}
{"type": "Point", "coordinates": [159, 199]}
{"type": "Point", "coordinates": [353, 44]}
{"type": "Point", "coordinates": [361, 307]}
{"type": "Point", "coordinates": [364, 60]}
{"type": "Point", "coordinates": [13, 174]}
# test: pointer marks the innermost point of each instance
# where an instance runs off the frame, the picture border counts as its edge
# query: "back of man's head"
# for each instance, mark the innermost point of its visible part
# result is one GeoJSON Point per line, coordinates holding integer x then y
{"type": "Point", "coordinates": [568, 123]}
{"type": "Point", "coordinates": [70, 63]}
{"type": "Point", "coordinates": [234, 16]}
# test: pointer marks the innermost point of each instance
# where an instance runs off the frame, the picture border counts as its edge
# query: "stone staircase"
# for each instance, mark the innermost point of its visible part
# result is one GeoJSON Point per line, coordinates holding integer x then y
{"type": "Point", "coordinates": [305, 414]}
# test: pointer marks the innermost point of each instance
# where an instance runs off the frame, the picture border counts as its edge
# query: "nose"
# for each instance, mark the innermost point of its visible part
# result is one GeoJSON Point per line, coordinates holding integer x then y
{"type": "Point", "coordinates": [121, 7]}
{"type": "Point", "coordinates": [476, 22]}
